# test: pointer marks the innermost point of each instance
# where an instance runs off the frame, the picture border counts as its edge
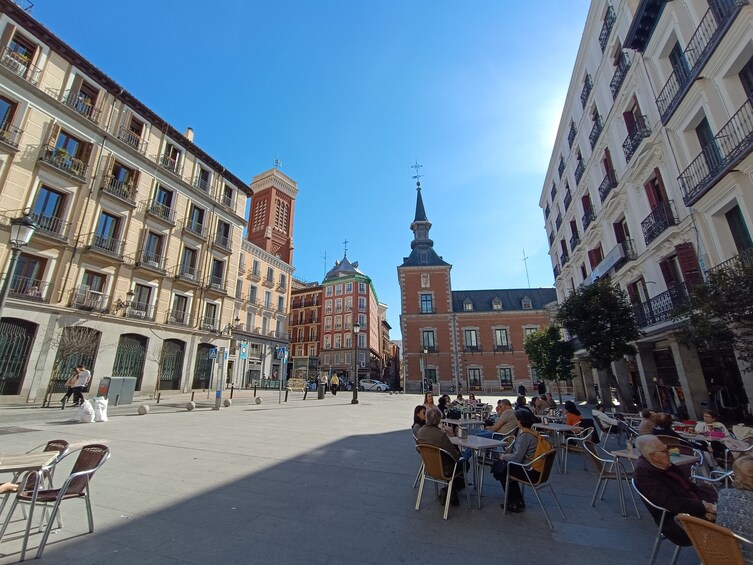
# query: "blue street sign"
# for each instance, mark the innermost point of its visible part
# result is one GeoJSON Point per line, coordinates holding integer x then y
{"type": "Point", "coordinates": [213, 353]}
{"type": "Point", "coordinates": [243, 352]}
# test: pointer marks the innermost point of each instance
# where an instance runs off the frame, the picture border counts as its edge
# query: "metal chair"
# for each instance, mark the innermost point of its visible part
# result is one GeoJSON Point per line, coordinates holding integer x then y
{"type": "Point", "coordinates": [729, 454]}
{"type": "Point", "coordinates": [575, 443]}
{"type": "Point", "coordinates": [659, 535]}
{"type": "Point", "coordinates": [433, 470]}
{"type": "Point", "coordinates": [606, 465]}
{"type": "Point", "coordinates": [421, 467]}
{"type": "Point", "coordinates": [713, 543]}
{"type": "Point", "coordinates": [536, 485]}
{"type": "Point", "coordinates": [717, 479]}
{"type": "Point", "coordinates": [90, 459]}
{"type": "Point", "coordinates": [605, 429]}
{"type": "Point", "coordinates": [627, 430]}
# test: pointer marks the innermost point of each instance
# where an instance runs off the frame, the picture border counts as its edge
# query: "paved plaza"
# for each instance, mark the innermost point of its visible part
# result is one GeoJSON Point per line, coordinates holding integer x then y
{"type": "Point", "coordinates": [314, 481]}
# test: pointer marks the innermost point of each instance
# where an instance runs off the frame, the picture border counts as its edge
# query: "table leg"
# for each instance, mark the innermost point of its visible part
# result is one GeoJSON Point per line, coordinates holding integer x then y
{"type": "Point", "coordinates": [620, 492]}
{"type": "Point", "coordinates": [31, 513]}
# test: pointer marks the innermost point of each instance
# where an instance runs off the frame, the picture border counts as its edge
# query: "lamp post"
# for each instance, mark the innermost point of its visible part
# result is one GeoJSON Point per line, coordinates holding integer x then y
{"type": "Point", "coordinates": [21, 230]}
{"type": "Point", "coordinates": [356, 329]}
{"type": "Point", "coordinates": [423, 369]}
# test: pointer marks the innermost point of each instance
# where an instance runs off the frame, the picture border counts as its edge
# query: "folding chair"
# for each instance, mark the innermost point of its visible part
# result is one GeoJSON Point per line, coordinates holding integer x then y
{"type": "Point", "coordinates": [543, 481]}
{"type": "Point", "coordinates": [575, 443]}
{"type": "Point", "coordinates": [90, 459]}
{"type": "Point", "coordinates": [659, 535]}
{"type": "Point", "coordinates": [606, 465]}
{"type": "Point", "coordinates": [713, 543]}
{"type": "Point", "coordinates": [434, 471]}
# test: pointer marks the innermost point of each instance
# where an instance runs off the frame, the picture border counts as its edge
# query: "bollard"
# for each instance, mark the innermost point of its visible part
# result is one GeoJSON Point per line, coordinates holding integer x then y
{"type": "Point", "coordinates": [192, 393]}
{"type": "Point", "coordinates": [143, 410]}
{"type": "Point", "coordinates": [227, 403]}
{"type": "Point", "coordinates": [286, 395]}
{"type": "Point", "coordinates": [190, 405]}
{"type": "Point", "coordinates": [305, 392]}
{"type": "Point", "coordinates": [158, 396]}
{"type": "Point", "coordinates": [117, 399]}
{"type": "Point", "coordinates": [258, 400]}
{"type": "Point", "coordinates": [62, 404]}
{"type": "Point", "coordinates": [254, 390]}
{"type": "Point", "coordinates": [232, 389]}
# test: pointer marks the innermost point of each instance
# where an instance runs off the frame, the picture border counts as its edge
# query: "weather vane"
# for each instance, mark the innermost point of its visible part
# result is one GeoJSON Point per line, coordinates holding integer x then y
{"type": "Point", "coordinates": [345, 244]}
{"type": "Point", "coordinates": [418, 174]}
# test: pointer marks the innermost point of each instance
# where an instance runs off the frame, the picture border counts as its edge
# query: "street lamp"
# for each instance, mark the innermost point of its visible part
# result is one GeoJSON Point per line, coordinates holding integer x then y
{"type": "Point", "coordinates": [21, 230]}
{"type": "Point", "coordinates": [423, 369]}
{"type": "Point", "coordinates": [356, 329]}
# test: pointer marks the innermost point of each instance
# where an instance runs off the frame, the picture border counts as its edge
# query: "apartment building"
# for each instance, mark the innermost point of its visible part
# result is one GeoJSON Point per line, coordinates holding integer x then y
{"type": "Point", "coordinates": [462, 339]}
{"type": "Point", "coordinates": [649, 182]}
{"type": "Point", "coordinates": [138, 231]}
{"type": "Point", "coordinates": [305, 328]}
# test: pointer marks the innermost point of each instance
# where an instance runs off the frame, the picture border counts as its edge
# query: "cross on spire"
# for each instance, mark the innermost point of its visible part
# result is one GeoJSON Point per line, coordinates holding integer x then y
{"type": "Point", "coordinates": [345, 244]}
{"type": "Point", "coordinates": [418, 174]}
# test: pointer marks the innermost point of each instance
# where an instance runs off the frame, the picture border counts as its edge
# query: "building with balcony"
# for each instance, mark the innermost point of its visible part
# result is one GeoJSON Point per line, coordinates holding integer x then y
{"type": "Point", "coordinates": [677, 200]}
{"type": "Point", "coordinates": [462, 339]}
{"type": "Point", "coordinates": [138, 230]}
{"type": "Point", "coordinates": [305, 329]}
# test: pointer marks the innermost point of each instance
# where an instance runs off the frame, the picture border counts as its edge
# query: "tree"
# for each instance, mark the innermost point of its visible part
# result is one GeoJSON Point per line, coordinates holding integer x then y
{"type": "Point", "coordinates": [550, 354]}
{"type": "Point", "coordinates": [601, 317]}
{"type": "Point", "coordinates": [720, 312]}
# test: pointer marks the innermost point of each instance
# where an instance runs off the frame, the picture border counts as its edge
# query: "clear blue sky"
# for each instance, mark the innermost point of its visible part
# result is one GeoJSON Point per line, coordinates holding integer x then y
{"type": "Point", "coordinates": [348, 94]}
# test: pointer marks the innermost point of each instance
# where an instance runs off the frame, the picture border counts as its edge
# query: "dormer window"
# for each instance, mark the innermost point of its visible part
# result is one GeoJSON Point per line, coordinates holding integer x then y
{"type": "Point", "coordinates": [496, 304]}
{"type": "Point", "coordinates": [468, 305]}
{"type": "Point", "coordinates": [526, 303]}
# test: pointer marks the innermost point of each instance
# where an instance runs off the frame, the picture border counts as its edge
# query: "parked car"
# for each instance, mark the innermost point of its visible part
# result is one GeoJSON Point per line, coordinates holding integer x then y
{"type": "Point", "coordinates": [371, 384]}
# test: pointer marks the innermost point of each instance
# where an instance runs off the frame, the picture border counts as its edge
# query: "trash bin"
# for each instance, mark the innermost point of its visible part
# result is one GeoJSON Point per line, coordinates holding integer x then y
{"type": "Point", "coordinates": [320, 390]}
{"type": "Point", "coordinates": [104, 387]}
{"type": "Point", "coordinates": [120, 391]}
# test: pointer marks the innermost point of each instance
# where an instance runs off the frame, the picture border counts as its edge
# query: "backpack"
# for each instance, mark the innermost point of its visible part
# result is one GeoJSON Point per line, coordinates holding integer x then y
{"type": "Point", "coordinates": [542, 446]}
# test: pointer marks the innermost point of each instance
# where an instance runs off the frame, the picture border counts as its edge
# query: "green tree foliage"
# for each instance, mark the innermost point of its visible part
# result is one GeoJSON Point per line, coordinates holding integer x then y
{"type": "Point", "coordinates": [601, 317]}
{"type": "Point", "coordinates": [552, 357]}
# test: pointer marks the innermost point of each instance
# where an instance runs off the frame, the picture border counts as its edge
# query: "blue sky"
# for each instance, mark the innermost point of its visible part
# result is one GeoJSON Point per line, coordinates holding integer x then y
{"type": "Point", "coordinates": [348, 94]}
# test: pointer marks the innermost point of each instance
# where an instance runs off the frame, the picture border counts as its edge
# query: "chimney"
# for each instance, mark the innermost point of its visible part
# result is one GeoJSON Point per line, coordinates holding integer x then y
{"type": "Point", "coordinates": [189, 134]}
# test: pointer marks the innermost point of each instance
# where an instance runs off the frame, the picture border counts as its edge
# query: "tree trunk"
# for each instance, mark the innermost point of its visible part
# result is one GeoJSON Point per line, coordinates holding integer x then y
{"type": "Point", "coordinates": [626, 401]}
{"type": "Point", "coordinates": [559, 391]}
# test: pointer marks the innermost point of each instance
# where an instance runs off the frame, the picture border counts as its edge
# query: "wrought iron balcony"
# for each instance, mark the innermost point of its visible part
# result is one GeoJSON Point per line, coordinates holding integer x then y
{"type": "Point", "coordinates": [209, 324]}
{"type": "Point", "coordinates": [579, 169]}
{"type": "Point", "coordinates": [564, 258]}
{"type": "Point", "coordinates": [743, 260]}
{"type": "Point", "coordinates": [472, 349]}
{"type": "Point", "coordinates": [179, 318]}
{"type": "Point", "coordinates": [10, 135]}
{"type": "Point", "coordinates": [130, 138]}
{"type": "Point", "coordinates": [186, 273]}
{"type": "Point", "coordinates": [662, 307]}
{"type": "Point", "coordinates": [634, 138]}
{"type": "Point", "coordinates": [108, 245]}
{"type": "Point", "coordinates": [628, 248]}
{"type": "Point", "coordinates": [140, 311]}
{"type": "Point", "coordinates": [588, 85]}
{"type": "Point", "coordinates": [227, 201]}
{"type": "Point", "coordinates": [216, 283]}
{"type": "Point", "coordinates": [151, 261]}
{"type": "Point", "coordinates": [26, 288]}
{"type": "Point", "coordinates": [572, 134]}
{"type": "Point", "coordinates": [195, 227]}
{"type": "Point", "coordinates": [20, 65]}
{"type": "Point", "coordinates": [123, 190]}
{"type": "Point", "coordinates": [82, 104]}
{"type": "Point", "coordinates": [172, 165]}
{"type": "Point", "coordinates": [502, 347]}
{"type": "Point", "coordinates": [660, 218]}
{"type": "Point", "coordinates": [574, 241]}
{"type": "Point", "coordinates": [558, 221]}
{"type": "Point", "coordinates": [730, 146]}
{"type": "Point", "coordinates": [431, 349]}
{"type": "Point", "coordinates": [161, 211]}
{"type": "Point", "coordinates": [606, 27]}
{"type": "Point", "coordinates": [560, 170]}
{"type": "Point", "coordinates": [623, 66]}
{"type": "Point", "coordinates": [83, 298]}
{"type": "Point", "coordinates": [62, 161]}
{"type": "Point", "coordinates": [223, 242]}
{"type": "Point", "coordinates": [568, 199]}
{"type": "Point", "coordinates": [53, 227]}
{"type": "Point", "coordinates": [702, 44]}
{"type": "Point", "coordinates": [587, 218]}
{"type": "Point", "coordinates": [201, 183]}
{"type": "Point", "coordinates": [596, 130]}
{"type": "Point", "coordinates": [268, 282]}
{"type": "Point", "coordinates": [606, 186]}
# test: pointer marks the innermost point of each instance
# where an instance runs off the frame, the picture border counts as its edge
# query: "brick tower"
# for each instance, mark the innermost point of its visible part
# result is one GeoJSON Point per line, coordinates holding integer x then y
{"type": "Point", "coordinates": [270, 223]}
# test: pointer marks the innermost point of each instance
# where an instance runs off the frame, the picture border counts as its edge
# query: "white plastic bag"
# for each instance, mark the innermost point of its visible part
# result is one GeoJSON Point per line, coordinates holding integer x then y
{"type": "Point", "coordinates": [86, 412]}
{"type": "Point", "coordinates": [100, 409]}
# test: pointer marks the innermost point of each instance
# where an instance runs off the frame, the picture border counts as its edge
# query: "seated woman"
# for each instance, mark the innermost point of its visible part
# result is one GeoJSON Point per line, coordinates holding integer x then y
{"type": "Point", "coordinates": [647, 422]}
{"type": "Point", "coordinates": [552, 402]}
{"type": "Point", "coordinates": [572, 414]}
{"type": "Point", "coordinates": [735, 505]}
{"type": "Point", "coordinates": [710, 424]}
{"type": "Point", "coordinates": [419, 418]}
{"type": "Point", "coordinates": [444, 405]}
{"type": "Point", "coordinates": [472, 400]}
{"type": "Point", "coordinates": [429, 401]}
{"type": "Point", "coordinates": [663, 426]}
{"type": "Point", "coordinates": [521, 403]}
{"type": "Point", "coordinates": [431, 434]}
{"type": "Point", "coordinates": [523, 452]}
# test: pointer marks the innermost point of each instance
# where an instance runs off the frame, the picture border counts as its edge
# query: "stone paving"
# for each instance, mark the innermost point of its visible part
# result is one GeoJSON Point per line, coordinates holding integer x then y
{"type": "Point", "coordinates": [314, 481]}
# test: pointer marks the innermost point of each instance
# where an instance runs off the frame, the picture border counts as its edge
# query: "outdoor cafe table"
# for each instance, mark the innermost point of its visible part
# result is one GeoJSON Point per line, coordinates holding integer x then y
{"type": "Point", "coordinates": [633, 455]}
{"type": "Point", "coordinates": [477, 444]}
{"type": "Point", "coordinates": [558, 430]}
{"type": "Point", "coordinates": [463, 422]}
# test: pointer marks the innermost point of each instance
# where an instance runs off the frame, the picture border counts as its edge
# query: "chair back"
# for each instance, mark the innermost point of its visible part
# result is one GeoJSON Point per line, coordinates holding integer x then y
{"type": "Point", "coordinates": [91, 458]}
{"type": "Point", "coordinates": [599, 424]}
{"type": "Point", "coordinates": [57, 445]}
{"type": "Point", "coordinates": [713, 543]}
{"type": "Point", "coordinates": [626, 429]}
{"type": "Point", "coordinates": [549, 459]}
{"type": "Point", "coordinates": [599, 462]}
{"type": "Point", "coordinates": [431, 455]}
{"type": "Point", "coordinates": [672, 441]}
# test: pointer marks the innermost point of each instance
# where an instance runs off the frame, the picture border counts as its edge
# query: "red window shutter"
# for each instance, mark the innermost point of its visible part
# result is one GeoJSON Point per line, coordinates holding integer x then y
{"type": "Point", "coordinates": [661, 192]}
{"type": "Point", "coordinates": [688, 261]}
{"type": "Point", "coordinates": [629, 121]}
{"type": "Point", "coordinates": [651, 194]}
{"type": "Point", "coordinates": [619, 232]}
{"type": "Point", "coordinates": [666, 271]}
{"type": "Point", "coordinates": [632, 290]}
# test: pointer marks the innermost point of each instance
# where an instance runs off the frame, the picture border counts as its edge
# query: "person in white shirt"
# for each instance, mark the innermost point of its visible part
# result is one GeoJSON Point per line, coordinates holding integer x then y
{"type": "Point", "coordinates": [710, 424]}
{"type": "Point", "coordinates": [84, 377]}
{"type": "Point", "coordinates": [598, 412]}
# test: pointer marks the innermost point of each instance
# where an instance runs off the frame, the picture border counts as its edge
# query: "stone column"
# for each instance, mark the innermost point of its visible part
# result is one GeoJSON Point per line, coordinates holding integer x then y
{"type": "Point", "coordinates": [649, 373]}
{"type": "Point", "coordinates": [691, 378]}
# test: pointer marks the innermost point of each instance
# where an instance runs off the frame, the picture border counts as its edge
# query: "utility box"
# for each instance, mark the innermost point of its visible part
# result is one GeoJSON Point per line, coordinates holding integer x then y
{"type": "Point", "coordinates": [117, 390]}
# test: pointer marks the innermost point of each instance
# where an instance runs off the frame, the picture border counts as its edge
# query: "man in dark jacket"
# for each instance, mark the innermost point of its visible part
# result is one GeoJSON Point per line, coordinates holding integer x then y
{"type": "Point", "coordinates": [666, 485]}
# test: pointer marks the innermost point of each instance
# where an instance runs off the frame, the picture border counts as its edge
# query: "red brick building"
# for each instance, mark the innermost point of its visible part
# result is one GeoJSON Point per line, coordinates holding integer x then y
{"type": "Point", "coordinates": [463, 339]}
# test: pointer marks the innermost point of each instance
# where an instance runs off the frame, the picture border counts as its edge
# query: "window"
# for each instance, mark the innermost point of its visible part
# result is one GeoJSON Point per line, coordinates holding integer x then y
{"type": "Point", "coordinates": [171, 158]}
{"type": "Point", "coordinates": [142, 298]}
{"type": "Point", "coordinates": [362, 321]}
{"type": "Point", "coordinates": [180, 307]}
{"type": "Point", "coordinates": [348, 303]}
{"type": "Point", "coordinates": [282, 215]}
{"type": "Point", "coordinates": [501, 339]}
{"type": "Point", "coordinates": [526, 303]}
{"type": "Point", "coordinates": [328, 323]}
{"type": "Point", "coordinates": [7, 112]}
{"type": "Point", "coordinates": [328, 291]}
{"type": "Point", "coordinates": [281, 303]}
{"type": "Point", "coordinates": [348, 288]}
{"type": "Point", "coordinates": [283, 280]}
{"type": "Point", "coordinates": [270, 275]}
{"type": "Point", "coordinates": [153, 249]}
{"type": "Point", "coordinates": [27, 275]}
{"type": "Point", "coordinates": [427, 304]}
{"type": "Point", "coordinates": [338, 305]}
{"type": "Point", "coordinates": [195, 222]}
{"type": "Point", "coordinates": [425, 280]}
{"type": "Point", "coordinates": [529, 331]}
{"type": "Point", "coordinates": [267, 299]}
{"type": "Point", "coordinates": [471, 340]}
{"type": "Point", "coordinates": [228, 196]}
{"type": "Point", "coordinates": [48, 210]}
{"type": "Point", "coordinates": [122, 179]}
{"type": "Point", "coordinates": [107, 235]}
{"type": "Point", "coordinates": [361, 344]}
{"type": "Point", "coordinates": [348, 321]}
{"type": "Point", "coordinates": [496, 304]}
{"type": "Point", "coordinates": [427, 340]}
{"type": "Point", "coordinates": [431, 375]}
{"type": "Point", "coordinates": [210, 316]}
{"type": "Point", "coordinates": [203, 180]}
{"type": "Point", "coordinates": [338, 289]}
{"type": "Point", "coordinates": [82, 98]}
{"type": "Point", "coordinates": [338, 323]}
{"type": "Point", "coordinates": [468, 305]}
{"type": "Point", "coordinates": [474, 376]}
{"type": "Point", "coordinates": [328, 306]}
{"type": "Point", "coordinates": [505, 376]}
{"type": "Point", "coordinates": [255, 267]}
{"type": "Point", "coordinates": [338, 341]}
{"type": "Point", "coordinates": [21, 49]}
{"type": "Point", "coordinates": [739, 229]}
{"type": "Point", "coordinates": [222, 234]}
{"type": "Point", "coordinates": [312, 350]}
{"type": "Point", "coordinates": [252, 293]}
{"type": "Point", "coordinates": [217, 273]}
{"type": "Point", "coordinates": [163, 202]}
{"type": "Point", "coordinates": [94, 282]}
{"type": "Point", "coordinates": [348, 341]}
{"type": "Point", "coordinates": [361, 304]}
{"type": "Point", "coordinates": [239, 289]}
{"type": "Point", "coordinates": [361, 288]}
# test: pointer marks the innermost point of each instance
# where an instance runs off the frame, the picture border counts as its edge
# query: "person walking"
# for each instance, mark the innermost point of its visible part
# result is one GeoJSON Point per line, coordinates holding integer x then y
{"type": "Point", "coordinates": [522, 389]}
{"type": "Point", "coordinates": [334, 384]}
{"type": "Point", "coordinates": [69, 384]}
{"type": "Point", "coordinates": [82, 381]}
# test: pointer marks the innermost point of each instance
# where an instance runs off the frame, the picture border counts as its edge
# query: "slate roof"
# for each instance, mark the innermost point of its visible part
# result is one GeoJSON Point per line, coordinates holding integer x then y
{"type": "Point", "coordinates": [343, 268]}
{"type": "Point", "coordinates": [432, 259]}
{"type": "Point", "coordinates": [512, 299]}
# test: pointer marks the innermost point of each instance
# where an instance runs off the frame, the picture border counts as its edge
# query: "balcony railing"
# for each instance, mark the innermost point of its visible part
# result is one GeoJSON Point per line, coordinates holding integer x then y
{"type": "Point", "coordinates": [704, 42]}
{"type": "Point", "coordinates": [195, 227]}
{"type": "Point", "coordinates": [26, 288]}
{"type": "Point", "coordinates": [83, 298]}
{"type": "Point", "coordinates": [108, 245]}
{"type": "Point", "coordinates": [62, 161]}
{"type": "Point", "coordinates": [587, 218]}
{"type": "Point", "coordinates": [588, 85]}
{"type": "Point", "coordinates": [268, 282]}
{"type": "Point", "coordinates": [179, 318]}
{"type": "Point", "coordinates": [567, 200]}
{"type": "Point", "coordinates": [730, 146]}
{"type": "Point", "coordinates": [571, 135]}
{"type": "Point", "coordinates": [472, 349]}
{"type": "Point", "coordinates": [502, 347]}
{"type": "Point", "coordinates": [186, 273]}
{"type": "Point", "coordinates": [558, 222]}
{"type": "Point", "coordinates": [223, 242]}
{"type": "Point", "coordinates": [140, 311]}
{"type": "Point", "coordinates": [10, 135]}
{"type": "Point", "coordinates": [151, 261]}
{"type": "Point", "coordinates": [20, 65]}
{"type": "Point", "coordinates": [201, 183]}
{"type": "Point", "coordinates": [564, 258]}
{"type": "Point", "coordinates": [82, 104]}
{"type": "Point", "coordinates": [574, 241]}
{"type": "Point", "coordinates": [161, 211]}
{"type": "Point", "coordinates": [227, 201]}
{"type": "Point", "coordinates": [134, 140]}
{"type": "Point", "coordinates": [658, 221]}
{"type": "Point", "coordinates": [741, 261]}
{"type": "Point", "coordinates": [51, 226]}
{"type": "Point", "coordinates": [172, 165]}
{"type": "Point", "coordinates": [661, 307]}
{"type": "Point", "coordinates": [606, 27]}
{"type": "Point", "coordinates": [556, 271]}
{"type": "Point", "coordinates": [596, 130]}
{"type": "Point", "coordinates": [634, 138]}
{"type": "Point", "coordinates": [606, 186]}
{"type": "Point", "coordinates": [216, 283]}
{"type": "Point", "coordinates": [630, 254]}
{"type": "Point", "coordinates": [623, 66]}
{"type": "Point", "coordinates": [254, 276]}
{"type": "Point", "coordinates": [579, 169]}
{"type": "Point", "coordinates": [124, 190]}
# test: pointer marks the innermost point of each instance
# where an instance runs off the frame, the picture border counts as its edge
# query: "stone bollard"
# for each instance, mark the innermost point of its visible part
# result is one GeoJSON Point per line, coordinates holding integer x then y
{"type": "Point", "coordinates": [143, 410]}
{"type": "Point", "coordinates": [190, 405]}
{"type": "Point", "coordinates": [227, 403]}
{"type": "Point", "coordinates": [258, 400]}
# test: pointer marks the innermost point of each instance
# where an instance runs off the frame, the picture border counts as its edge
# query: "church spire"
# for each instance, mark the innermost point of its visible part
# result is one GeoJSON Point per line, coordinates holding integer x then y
{"type": "Point", "coordinates": [422, 247]}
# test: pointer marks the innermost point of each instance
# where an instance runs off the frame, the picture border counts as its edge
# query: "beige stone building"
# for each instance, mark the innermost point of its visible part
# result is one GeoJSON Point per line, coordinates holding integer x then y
{"type": "Point", "coordinates": [138, 265]}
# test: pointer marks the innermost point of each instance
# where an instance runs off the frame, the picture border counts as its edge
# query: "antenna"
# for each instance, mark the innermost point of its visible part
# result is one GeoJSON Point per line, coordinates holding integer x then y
{"type": "Point", "coordinates": [525, 261]}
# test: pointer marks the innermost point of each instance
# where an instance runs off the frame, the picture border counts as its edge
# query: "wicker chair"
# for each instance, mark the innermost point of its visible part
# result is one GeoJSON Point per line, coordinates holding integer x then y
{"type": "Point", "coordinates": [606, 465]}
{"type": "Point", "coordinates": [543, 481]}
{"type": "Point", "coordinates": [90, 459]}
{"type": "Point", "coordinates": [659, 535]}
{"type": "Point", "coordinates": [433, 470]}
{"type": "Point", "coordinates": [713, 544]}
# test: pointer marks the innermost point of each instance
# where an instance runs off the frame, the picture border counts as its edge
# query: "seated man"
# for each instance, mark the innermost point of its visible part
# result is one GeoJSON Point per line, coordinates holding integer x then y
{"type": "Point", "coordinates": [431, 434]}
{"type": "Point", "coordinates": [668, 486]}
{"type": "Point", "coordinates": [605, 420]}
{"type": "Point", "coordinates": [506, 420]}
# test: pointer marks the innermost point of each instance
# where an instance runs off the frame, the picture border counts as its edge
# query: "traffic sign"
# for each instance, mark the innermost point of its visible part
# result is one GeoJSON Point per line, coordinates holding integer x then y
{"type": "Point", "coordinates": [243, 352]}
{"type": "Point", "coordinates": [213, 353]}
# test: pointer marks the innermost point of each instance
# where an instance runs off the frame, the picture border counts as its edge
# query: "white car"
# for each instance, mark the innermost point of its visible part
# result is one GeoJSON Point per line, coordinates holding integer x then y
{"type": "Point", "coordinates": [371, 384]}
